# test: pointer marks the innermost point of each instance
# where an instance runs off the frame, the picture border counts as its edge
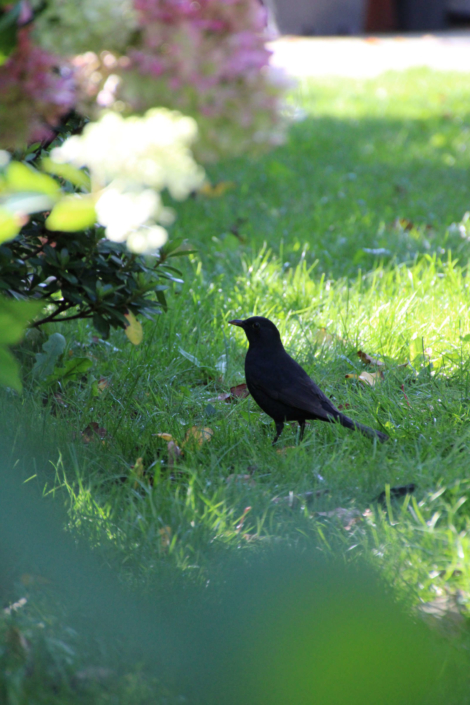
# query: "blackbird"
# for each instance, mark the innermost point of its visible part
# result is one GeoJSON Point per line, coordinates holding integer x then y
{"type": "Point", "coordinates": [282, 388]}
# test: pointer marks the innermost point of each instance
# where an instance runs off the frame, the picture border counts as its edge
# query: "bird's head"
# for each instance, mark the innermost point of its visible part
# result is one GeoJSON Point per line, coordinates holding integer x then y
{"type": "Point", "coordinates": [259, 331]}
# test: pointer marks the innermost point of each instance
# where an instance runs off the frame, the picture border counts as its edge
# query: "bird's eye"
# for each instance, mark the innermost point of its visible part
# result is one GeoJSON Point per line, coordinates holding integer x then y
{"type": "Point", "coordinates": [256, 324]}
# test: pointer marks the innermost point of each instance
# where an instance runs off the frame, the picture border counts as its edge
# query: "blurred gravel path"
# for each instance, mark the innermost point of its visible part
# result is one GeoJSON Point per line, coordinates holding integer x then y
{"type": "Point", "coordinates": [363, 57]}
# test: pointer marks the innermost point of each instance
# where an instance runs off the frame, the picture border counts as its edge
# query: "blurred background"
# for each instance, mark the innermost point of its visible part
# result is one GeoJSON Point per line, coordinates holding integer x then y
{"type": "Point", "coordinates": [348, 17]}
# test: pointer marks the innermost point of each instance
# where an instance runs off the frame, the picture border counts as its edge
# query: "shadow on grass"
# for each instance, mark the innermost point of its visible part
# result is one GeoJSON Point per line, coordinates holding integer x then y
{"type": "Point", "coordinates": [344, 190]}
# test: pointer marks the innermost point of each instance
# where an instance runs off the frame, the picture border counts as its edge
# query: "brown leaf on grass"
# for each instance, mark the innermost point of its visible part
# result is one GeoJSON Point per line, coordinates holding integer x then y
{"type": "Point", "coordinates": [368, 360]}
{"type": "Point", "coordinates": [240, 391]}
{"type": "Point", "coordinates": [165, 536]}
{"type": "Point", "coordinates": [59, 399]}
{"type": "Point", "coordinates": [370, 378]}
{"type": "Point", "coordinates": [403, 224]}
{"type": "Point", "coordinates": [93, 432]}
{"type": "Point", "coordinates": [174, 452]}
{"type": "Point", "coordinates": [348, 517]}
{"type": "Point", "coordinates": [343, 406]}
{"type": "Point", "coordinates": [198, 434]}
{"type": "Point", "coordinates": [217, 190]}
{"type": "Point", "coordinates": [102, 384]}
{"type": "Point", "coordinates": [239, 526]}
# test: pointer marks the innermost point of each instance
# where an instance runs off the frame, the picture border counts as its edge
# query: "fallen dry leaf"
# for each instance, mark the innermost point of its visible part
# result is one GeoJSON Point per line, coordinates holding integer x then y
{"type": "Point", "coordinates": [240, 391]}
{"type": "Point", "coordinates": [133, 330]}
{"type": "Point", "coordinates": [370, 378]}
{"type": "Point", "coordinates": [216, 190]}
{"type": "Point", "coordinates": [102, 384]}
{"type": "Point", "coordinates": [59, 399]}
{"type": "Point", "coordinates": [165, 436]}
{"type": "Point", "coordinates": [368, 360]}
{"type": "Point", "coordinates": [403, 223]}
{"type": "Point", "coordinates": [242, 518]}
{"type": "Point", "coordinates": [165, 536]}
{"type": "Point", "coordinates": [199, 434]}
{"type": "Point", "coordinates": [93, 431]}
{"type": "Point", "coordinates": [174, 452]}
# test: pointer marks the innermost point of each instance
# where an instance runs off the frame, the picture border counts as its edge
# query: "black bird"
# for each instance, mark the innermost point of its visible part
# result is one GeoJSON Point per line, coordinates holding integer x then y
{"type": "Point", "coordinates": [281, 387]}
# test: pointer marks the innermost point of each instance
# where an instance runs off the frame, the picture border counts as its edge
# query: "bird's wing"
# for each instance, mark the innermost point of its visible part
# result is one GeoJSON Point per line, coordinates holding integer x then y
{"type": "Point", "coordinates": [293, 387]}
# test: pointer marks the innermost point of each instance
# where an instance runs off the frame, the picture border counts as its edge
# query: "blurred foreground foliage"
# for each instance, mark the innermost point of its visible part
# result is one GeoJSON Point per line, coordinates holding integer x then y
{"type": "Point", "coordinates": [286, 624]}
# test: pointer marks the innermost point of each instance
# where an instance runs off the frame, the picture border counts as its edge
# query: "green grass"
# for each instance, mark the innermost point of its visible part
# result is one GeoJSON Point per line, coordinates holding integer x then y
{"type": "Point", "coordinates": [378, 165]}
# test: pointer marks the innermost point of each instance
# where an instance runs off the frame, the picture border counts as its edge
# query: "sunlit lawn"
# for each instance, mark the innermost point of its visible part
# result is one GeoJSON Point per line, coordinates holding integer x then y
{"type": "Point", "coordinates": [345, 238]}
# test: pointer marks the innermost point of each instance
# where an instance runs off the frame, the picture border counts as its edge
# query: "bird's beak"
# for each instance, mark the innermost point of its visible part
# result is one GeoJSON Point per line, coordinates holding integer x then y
{"type": "Point", "coordinates": [237, 322]}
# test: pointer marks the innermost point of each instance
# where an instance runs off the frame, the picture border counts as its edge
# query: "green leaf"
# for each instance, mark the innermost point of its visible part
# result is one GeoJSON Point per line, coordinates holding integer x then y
{"type": "Point", "coordinates": [14, 317]}
{"type": "Point", "coordinates": [9, 370]}
{"type": "Point", "coordinates": [73, 368]}
{"type": "Point", "coordinates": [46, 361]}
{"type": "Point", "coordinates": [68, 172]}
{"type": "Point", "coordinates": [101, 325]}
{"type": "Point", "coordinates": [72, 213]}
{"type": "Point", "coordinates": [21, 178]}
{"type": "Point", "coordinates": [10, 225]}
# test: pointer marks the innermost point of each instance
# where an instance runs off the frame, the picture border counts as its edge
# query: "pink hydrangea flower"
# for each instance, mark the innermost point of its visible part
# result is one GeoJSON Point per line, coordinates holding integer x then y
{"type": "Point", "coordinates": [36, 89]}
{"type": "Point", "coordinates": [207, 58]}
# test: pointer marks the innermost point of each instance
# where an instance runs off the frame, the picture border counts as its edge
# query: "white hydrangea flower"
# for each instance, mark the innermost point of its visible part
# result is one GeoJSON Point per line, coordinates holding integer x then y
{"type": "Point", "coordinates": [122, 212]}
{"type": "Point", "coordinates": [131, 160]}
{"type": "Point", "coordinates": [68, 27]}
{"type": "Point", "coordinates": [153, 150]}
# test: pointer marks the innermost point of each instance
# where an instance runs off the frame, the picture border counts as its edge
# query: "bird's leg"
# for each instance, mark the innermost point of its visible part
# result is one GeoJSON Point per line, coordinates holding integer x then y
{"type": "Point", "coordinates": [279, 427]}
{"type": "Point", "coordinates": [302, 430]}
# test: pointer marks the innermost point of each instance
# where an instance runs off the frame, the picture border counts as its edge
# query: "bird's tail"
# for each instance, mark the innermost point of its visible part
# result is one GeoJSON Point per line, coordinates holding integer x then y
{"type": "Point", "coordinates": [355, 425]}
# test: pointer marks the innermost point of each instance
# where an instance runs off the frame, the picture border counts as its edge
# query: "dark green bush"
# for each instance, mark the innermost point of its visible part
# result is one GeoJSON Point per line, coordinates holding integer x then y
{"type": "Point", "coordinates": [83, 275]}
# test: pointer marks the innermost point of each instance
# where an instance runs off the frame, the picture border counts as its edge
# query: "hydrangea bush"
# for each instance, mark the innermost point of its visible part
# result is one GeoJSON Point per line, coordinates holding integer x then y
{"type": "Point", "coordinates": [164, 82]}
{"type": "Point", "coordinates": [206, 58]}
